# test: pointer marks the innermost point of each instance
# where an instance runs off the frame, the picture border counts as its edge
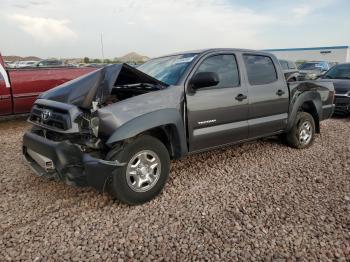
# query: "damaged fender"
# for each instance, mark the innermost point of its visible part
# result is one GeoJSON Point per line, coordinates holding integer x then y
{"type": "Point", "coordinates": [169, 118]}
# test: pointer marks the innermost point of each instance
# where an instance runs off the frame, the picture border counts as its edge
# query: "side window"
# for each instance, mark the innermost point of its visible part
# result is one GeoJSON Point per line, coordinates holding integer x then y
{"type": "Point", "coordinates": [260, 69]}
{"type": "Point", "coordinates": [225, 66]}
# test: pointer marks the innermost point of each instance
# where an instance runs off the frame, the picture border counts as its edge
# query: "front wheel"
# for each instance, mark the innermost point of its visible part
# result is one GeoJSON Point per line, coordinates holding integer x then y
{"type": "Point", "coordinates": [145, 173]}
{"type": "Point", "coordinates": [303, 131]}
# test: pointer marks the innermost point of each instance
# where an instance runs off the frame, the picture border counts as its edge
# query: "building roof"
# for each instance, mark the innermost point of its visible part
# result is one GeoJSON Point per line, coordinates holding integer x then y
{"type": "Point", "coordinates": [308, 48]}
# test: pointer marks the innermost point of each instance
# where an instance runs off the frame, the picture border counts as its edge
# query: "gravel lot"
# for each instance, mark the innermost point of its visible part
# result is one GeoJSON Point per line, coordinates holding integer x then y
{"type": "Point", "coordinates": [261, 200]}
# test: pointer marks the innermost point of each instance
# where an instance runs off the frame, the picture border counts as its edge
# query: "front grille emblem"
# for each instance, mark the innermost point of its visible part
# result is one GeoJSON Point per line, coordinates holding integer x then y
{"type": "Point", "coordinates": [45, 115]}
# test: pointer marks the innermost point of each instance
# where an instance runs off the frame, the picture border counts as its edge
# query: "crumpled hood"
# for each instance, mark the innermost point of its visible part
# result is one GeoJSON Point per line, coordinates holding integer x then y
{"type": "Point", "coordinates": [97, 85]}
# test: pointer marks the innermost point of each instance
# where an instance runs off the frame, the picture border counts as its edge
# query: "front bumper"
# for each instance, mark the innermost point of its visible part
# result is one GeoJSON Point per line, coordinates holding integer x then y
{"type": "Point", "coordinates": [342, 104]}
{"type": "Point", "coordinates": [66, 162]}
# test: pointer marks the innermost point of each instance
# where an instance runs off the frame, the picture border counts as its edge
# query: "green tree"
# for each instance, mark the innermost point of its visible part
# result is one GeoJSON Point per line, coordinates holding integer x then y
{"type": "Point", "coordinates": [97, 61]}
{"type": "Point", "coordinates": [86, 60]}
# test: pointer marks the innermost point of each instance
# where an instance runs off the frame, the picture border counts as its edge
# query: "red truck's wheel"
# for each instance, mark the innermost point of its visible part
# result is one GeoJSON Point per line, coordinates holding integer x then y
{"type": "Point", "coordinates": [302, 133]}
{"type": "Point", "coordinates": [145, 173]}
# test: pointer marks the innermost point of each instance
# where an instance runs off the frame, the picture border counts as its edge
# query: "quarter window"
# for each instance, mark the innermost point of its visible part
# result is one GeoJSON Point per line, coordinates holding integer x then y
{"type": "Point", "coordinates": [225, 66]}
{"type": "Point", "coordinates": [260, 69]}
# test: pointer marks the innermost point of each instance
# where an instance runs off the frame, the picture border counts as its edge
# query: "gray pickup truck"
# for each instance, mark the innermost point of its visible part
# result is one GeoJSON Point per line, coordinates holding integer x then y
{"type": "Point", "coordinates": [117, 128]}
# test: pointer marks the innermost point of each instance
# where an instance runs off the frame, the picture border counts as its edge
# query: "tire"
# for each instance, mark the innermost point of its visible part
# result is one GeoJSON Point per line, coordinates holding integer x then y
{"type": "Point", "coordinates": [126, 184]}
{"type": "Point", "coordinates": [302, 133]}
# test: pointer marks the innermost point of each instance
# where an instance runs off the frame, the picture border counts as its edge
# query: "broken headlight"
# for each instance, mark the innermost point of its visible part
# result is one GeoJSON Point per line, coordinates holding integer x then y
{"type": "Point", "coordinates": [94, 124]}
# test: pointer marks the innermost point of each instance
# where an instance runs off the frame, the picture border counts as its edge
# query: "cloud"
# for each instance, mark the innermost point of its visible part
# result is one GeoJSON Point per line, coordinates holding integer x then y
{"type": "Point", "coordinates": [310, 7]}
{"type": "Point", "coordinates": [187, 24]}
{"type": "Point", "coordinates": [302, 11]}
{"type": "Point", "coordinates": [45, 30]}
{"type": "Point", "coordinates": [157, 27]}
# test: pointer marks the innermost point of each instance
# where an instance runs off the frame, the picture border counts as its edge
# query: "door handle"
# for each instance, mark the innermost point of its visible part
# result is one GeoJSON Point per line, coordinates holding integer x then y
{"type": "Point", "coordinates": [241, 97]}
{"type": "Point", "coordinates": [280, 92]}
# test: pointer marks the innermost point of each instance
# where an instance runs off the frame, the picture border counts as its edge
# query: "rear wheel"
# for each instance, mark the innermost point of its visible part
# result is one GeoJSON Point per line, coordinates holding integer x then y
{"type": "Point", "coordinates": [145, 172]}
{"type": "Point", "coordinates": [303, 132]}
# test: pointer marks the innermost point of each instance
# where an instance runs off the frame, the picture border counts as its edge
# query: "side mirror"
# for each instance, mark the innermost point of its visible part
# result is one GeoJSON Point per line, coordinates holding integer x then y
{"type": "Point", "coordinates": [204, 79]}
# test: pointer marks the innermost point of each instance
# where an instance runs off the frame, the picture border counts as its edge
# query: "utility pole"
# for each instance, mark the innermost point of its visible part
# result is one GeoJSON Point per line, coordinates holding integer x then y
{"type": "Point", "coordinates": [103, 55]}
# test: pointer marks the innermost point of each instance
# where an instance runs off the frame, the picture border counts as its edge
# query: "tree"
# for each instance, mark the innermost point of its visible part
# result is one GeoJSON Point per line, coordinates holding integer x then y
{"type": "Point", "coordinates": [97, 61]}
{"type": "Point", "coordinates": [86, 60]}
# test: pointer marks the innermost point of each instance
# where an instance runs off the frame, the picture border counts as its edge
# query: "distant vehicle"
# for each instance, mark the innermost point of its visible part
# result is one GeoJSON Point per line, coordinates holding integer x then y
{"type": "Point", "coordinates": [117, 128]}
{"type": "Point", "coordinates": [19, 87]}
{"type": "Point", "coordinates": [290, 70]}
{"type": "Point", "coordinates": [95, 65]}
{"type": "Point", "coordinates": [22, 64]}
{"type": "Point", "coordinates": [340, 76]}
{"type": "Point", "coordinates": [313, 70]}
{"type": "Point", "coordinates": [49, 63]}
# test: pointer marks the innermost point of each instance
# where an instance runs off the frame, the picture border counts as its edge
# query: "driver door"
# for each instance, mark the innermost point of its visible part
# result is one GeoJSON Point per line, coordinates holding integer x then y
{"type": "Point", "coordinates": [217, 115]}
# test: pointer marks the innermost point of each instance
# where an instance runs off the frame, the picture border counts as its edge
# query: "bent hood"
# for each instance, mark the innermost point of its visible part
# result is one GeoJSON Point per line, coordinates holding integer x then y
{"type": "Point", "coordinates": [97, 85]}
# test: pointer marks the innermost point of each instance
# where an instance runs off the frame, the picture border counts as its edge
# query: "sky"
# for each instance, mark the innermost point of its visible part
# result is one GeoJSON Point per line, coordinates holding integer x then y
{"type": "Point", "coordinates": [73, 28]}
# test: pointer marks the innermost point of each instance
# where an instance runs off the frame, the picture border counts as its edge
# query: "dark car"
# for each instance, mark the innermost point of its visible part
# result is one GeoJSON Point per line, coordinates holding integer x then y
{"type": "Point", "coordinates": [313, 70]}
{"type": "Point", "coordinates": [290, 70]}
{"type": "Point", "coordinates": [117, 128]}
{"type": "Point", "coordinates": [340, 76]}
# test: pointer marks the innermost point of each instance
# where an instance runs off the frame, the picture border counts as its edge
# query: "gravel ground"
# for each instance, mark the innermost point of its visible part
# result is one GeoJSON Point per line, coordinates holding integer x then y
{"type": "Point", "coordinates": [260, 200]}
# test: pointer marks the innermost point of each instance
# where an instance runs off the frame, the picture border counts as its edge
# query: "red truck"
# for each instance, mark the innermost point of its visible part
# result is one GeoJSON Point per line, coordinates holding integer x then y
{"type": "Point", "coordinates": [19, 88]}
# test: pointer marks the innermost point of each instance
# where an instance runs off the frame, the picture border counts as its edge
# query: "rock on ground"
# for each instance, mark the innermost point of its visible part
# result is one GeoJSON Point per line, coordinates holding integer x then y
{"type": "Point", "coordinates": [261, 200]}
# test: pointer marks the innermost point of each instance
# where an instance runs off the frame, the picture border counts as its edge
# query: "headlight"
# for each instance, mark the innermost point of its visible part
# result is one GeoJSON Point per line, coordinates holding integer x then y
{"type": "Point", "coordinates": [94, 123]}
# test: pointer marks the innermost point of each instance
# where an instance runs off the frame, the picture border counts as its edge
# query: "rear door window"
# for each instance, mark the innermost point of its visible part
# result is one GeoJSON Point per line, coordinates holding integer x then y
{"type": "Point", "coordinates": [260, 69]}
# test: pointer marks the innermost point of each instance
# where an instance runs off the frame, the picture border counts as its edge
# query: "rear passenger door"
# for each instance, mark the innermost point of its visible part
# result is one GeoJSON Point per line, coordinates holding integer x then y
{"type": "Point", "coordinates": [217, 115]}
{"type": "Point", "coordinates": [268, 95]}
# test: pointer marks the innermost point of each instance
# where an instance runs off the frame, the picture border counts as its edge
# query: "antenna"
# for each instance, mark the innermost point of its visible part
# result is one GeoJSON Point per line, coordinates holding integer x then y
{"type": "Point", "coordinates": [103, 55]}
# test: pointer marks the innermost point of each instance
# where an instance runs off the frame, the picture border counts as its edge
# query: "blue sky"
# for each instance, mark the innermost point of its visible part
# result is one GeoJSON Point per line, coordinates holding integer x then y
{"type": "Point", "coordinates": [72, 28]}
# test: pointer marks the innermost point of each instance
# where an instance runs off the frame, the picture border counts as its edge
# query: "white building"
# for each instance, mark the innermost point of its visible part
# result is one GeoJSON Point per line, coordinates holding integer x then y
{"type": "Point", "coordinates": [339, 54]}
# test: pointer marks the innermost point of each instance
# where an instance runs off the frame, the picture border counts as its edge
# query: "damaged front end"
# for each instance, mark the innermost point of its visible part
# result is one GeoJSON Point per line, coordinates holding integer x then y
{"type": "Point", "coordinates": [65, 142]}
{"type": "Point", "coordinates": [66, 161]}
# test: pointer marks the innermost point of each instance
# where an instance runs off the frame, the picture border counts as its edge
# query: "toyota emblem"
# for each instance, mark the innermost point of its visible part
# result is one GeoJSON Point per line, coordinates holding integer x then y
{"type": "Point", "coordinates": [45, 115]}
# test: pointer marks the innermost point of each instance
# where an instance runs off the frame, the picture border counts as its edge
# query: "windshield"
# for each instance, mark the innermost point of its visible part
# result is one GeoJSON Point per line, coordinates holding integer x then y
{"type": "Point", "coordinates": [167, 69]}
{"type": "Point", "coordinates": [339, 72]}
{"type": "Point", "coordinates": [311, 66]}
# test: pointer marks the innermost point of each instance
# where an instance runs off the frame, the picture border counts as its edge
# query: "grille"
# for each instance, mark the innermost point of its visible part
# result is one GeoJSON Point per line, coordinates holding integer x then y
{"type": "Point", "coordinates": [57, 118]}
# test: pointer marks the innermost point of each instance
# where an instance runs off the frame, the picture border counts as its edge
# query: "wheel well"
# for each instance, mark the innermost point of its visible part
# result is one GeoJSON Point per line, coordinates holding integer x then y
{"type": "Point", "coordinates": [168, 136]}
{"type": "Point", "coordinates": [310, 108]}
